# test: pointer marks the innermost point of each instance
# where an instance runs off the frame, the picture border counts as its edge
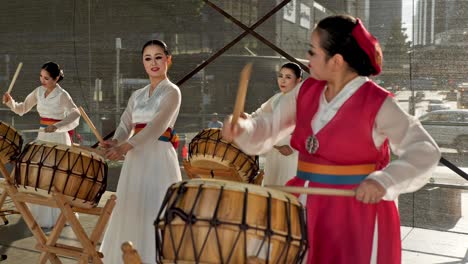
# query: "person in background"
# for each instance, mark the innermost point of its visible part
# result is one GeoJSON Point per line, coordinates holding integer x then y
{"type": "Point", "coordinates": [146, 138]}
{"type": "Point", "coordinates": [344, 126]}
{"type": "Point", "coordinates": [215, 123]}
{"type": "Point", "coordinates": [58, 117]}
{"type": "Point", "coordinates": [281, 160]}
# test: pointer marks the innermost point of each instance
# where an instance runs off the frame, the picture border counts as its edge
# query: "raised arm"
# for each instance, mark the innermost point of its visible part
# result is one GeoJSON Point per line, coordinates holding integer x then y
{"type": "Point", "coordinates": [24, 107]}
{"type": "Point", "coordinates": [256, 135]}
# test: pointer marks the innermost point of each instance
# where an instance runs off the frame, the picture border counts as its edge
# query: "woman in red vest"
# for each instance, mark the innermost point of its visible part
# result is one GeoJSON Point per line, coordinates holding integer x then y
{"type": "Point", "coordinates": [344, 126]}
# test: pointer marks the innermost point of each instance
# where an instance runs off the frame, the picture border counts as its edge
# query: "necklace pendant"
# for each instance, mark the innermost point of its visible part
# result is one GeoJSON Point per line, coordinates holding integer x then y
{"type": "Point", "coordinates": [312, 144]}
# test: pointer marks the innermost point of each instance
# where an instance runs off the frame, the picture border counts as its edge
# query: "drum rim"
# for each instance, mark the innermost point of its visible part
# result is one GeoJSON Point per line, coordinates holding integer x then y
{"type": "Point", "coordinates": [8, 125]}
{"type": "Point", "coordinates": [66, 147]}
{"type": "Point", "coordinates": [77, 202]}
{"type": "Point", "coordinates": [240, 186]}
{"type": "Point", "coordinates": [16, 147]}
{"type": "Point", "coordinates": [210, 135]}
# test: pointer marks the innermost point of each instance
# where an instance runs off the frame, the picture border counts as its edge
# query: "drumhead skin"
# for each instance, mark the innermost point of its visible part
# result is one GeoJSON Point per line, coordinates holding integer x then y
{"type": "Point", "coordinates": [240, 187]}
{"type": "Point", "coordinates": [11, 143]}
{"type": "Point", "coordinates": [210, 151]}
{"type": "Point", "coordinates": [215, 221]}
{"type": "Point", "coordinates": [78, 174]}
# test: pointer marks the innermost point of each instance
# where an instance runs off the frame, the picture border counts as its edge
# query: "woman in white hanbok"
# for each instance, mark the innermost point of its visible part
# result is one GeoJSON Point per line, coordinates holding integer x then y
{"type": "Point", "coordinates": [58, 115]}
{"type": "Point", "coordinates": [144, 136]}
{"type": "Point", "coordinates": [281, 160]}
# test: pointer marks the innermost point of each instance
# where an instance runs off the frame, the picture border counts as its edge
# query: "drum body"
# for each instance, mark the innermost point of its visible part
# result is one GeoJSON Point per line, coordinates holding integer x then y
{"type": "Point", "coordinates": [209, 151]}
{"type": "Point", "coordinates": [10, 143]}
{"type": "Point", "coordinates": [78, 174]}
{"type": "Point", "coordinates": [214, 221]}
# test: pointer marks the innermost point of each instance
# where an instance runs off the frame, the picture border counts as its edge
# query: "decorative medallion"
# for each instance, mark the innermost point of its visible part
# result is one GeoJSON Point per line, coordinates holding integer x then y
{"type": "Point", "coordinates": [312, 144]}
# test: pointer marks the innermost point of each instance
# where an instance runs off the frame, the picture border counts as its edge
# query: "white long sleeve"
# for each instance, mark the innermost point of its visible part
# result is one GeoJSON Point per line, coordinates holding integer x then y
{"type": "Point", "coordinates": [57, 105]}
{"type": "Point", "coordinates": [264, 131]}
{"type": "Point", "coordinates": [418, 154]}
{"type": "Point", "coordinates": [26, 106]}
{"type": "Point", "coordinates": [161, 120]}
{"type": "Point", "coordinates": [71, 115]}
{"type": "Point", "coordinates": [158, 112]}
{"type": "Point", "coordinates": [266, 107]}
{"type": "Point", "coordinates": [123, 131]}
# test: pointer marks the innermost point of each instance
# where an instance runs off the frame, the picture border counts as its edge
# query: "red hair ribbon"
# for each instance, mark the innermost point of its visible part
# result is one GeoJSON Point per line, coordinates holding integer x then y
{"type": "Point", "coordinates": [369, 44]}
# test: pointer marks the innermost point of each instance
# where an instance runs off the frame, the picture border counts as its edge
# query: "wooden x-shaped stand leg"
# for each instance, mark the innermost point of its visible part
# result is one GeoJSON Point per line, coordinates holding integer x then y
{"type": "Point", "coordinates": [48, 245]}
{"type": "Point", "coordinates": [4, 195]}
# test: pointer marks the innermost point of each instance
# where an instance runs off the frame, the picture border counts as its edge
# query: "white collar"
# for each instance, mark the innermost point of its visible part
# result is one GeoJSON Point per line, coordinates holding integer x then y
{"type": "Point", "coordinates": [330, 108]}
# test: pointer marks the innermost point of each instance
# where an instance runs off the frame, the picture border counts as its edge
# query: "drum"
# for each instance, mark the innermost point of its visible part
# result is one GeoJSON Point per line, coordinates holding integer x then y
{"type": "Point", "coordinates": [208, 150]}
{"type": "Point", "coordinates": [10, 143]}
{"type": "Point", "coordinates": [214, 221]}
{"type": "Point", "coordinates": [78, 174]}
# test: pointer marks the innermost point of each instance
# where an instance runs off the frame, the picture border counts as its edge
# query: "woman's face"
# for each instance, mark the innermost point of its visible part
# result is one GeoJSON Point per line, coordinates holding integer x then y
{"type": "Point", "coordinates": [287, 80]}
{"type": "Point", "coordinates": [155, 61]}
{"type": "Point", "coordinates": [319, 67]}
{"type": "Point", "coordinates": [46, 80]}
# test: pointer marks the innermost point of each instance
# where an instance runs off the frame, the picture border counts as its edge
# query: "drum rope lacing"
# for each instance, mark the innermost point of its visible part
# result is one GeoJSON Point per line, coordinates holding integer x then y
{"type": "Point", "coordinates": [12, 150]}
{"type": "Point", "coordinates": [171, 212]}
{"type": "Point", "coordinates": [207, 136]}
{"type": "Point", "coordinates": [100, 171]}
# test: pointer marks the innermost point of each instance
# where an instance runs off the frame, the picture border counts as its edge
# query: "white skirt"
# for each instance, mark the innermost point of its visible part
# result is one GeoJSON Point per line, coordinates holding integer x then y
{"type": "Point", "coordinates": [279, 168]}
{"type": "Point", "coordinates": [147, 172]}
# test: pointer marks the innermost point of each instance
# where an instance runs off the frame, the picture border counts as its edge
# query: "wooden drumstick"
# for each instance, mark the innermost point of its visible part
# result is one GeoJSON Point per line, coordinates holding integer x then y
{"type": "Point", "coordinates": [20, 65]}
{"type": "Point", "coordinates": [317, 191]}
{"type": "Point", "coordinates": [91, 125]}
{"type": "Point", "coordinates": [100, 152]}
{"type": "Point", "coordinates": [32, 130]}
{"type": "Point", "coordinates": [241, 93]}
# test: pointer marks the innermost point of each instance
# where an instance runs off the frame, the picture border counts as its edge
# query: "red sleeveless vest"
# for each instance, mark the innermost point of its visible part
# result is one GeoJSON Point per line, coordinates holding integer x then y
{"type": "Point", "coordinates": [347, 139]}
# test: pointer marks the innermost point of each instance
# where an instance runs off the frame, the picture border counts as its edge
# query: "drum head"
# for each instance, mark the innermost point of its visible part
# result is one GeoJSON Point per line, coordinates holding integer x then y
{"type": "Point", "coordinates": [208, 150]}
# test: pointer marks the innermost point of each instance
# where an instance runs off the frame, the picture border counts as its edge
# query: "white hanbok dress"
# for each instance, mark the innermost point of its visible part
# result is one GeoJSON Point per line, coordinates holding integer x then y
{"type": "Point", "coordinates": [148, 170]}
{"type": "Point", "coordinates": [278, 167]}
{"type": "Point", "coordinates": [57, 105]}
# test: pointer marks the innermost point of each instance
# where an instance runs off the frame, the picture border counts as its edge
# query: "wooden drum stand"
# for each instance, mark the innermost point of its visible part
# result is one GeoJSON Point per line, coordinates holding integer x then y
{"type": "Point", "coordinates": [48, 244]}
